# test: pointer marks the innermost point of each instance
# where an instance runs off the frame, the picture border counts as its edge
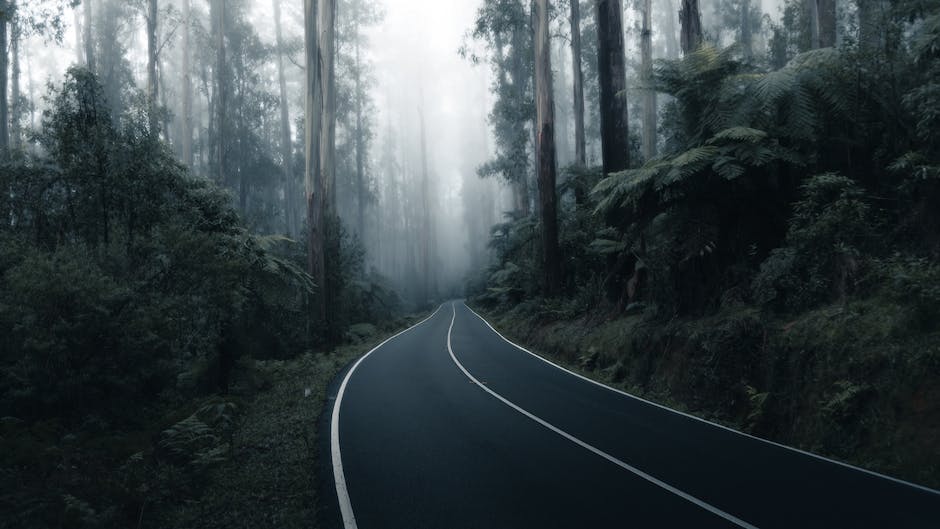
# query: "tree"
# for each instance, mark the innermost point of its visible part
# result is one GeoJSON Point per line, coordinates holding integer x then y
{"type": "Point", "coordinates": [217, 13]}
{"type": "Point", "coordinates": [6, 15]}
{"type": "Point", "coordinates": [187, 87]}
{"type": "Point", "coordinates": [286, 144]}
{"type": "Point", "coordinates": [313, 183]}
{"type": "Point", "coordinates": [611, 65]}
{"type": "Point", "coordinates": [824, 23]}
{"type": "Point", "coordinates": [505, 28]}
{"type": "Point", "coordinates": [544, 97]}
{"type": "Point", "coordinates": [691, 21]}
{"type": "Point", "coordinates": [89, 36]}
{"type": "Point", "coordinates": [579, 137]}
{"type": "Point", "coordinates": [425, 241]}
{"type": "Point", "coordinates": [152, 81]}
{"type": "Point", "coordinates": [646, 74]}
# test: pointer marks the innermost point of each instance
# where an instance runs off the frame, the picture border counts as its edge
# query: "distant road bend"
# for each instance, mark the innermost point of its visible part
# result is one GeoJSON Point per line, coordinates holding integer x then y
{"type": "Point", "coordinates": [449, 425]}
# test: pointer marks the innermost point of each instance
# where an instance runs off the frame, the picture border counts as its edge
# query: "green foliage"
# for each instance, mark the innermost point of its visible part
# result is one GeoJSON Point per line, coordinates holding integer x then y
{"type": "Point", "coordinates": [832, 233]}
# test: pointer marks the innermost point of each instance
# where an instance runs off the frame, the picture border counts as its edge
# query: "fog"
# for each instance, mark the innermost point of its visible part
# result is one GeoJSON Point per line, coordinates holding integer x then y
{"type": "Point", "coordinates": [410, 52]}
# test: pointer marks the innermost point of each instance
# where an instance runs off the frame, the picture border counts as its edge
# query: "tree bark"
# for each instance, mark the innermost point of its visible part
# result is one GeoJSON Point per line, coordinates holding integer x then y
{"type": "Point", "coordinates": [746, 40]}
{"type": "Point", "coordinates": [89, 39]}
{"type": "Point", "coordinates": [425, 243]}
{"type": "Point", "coordinates": [327, 46]}
{"type": "Point", "coordinates": [4, 79]}
{"type": "Point", "coordinates": [672, 42]}
{"type": "Point", "coordinates": [611, 66]}
{"type": "Point", "coordinates": [221, 88]}
{"type": "Point", "coordinates": [545, 124]}
{"type": "Point", "coordinates": [16, 107]}
{"type": "Point", "coordinates": [361, 188]}
{"type": "Point", "coordinates": [286, 143]}
{"type": "Point", "coordinates": [826, 22]}
{"type": "Point", "coordinates": [316, 265]}
{"type": "Point", "coordinates": [152, 82]}
{"type": "Point", "coordinates": [813, 7]}
{"type": "Point", "coordinates": [187, 87]}
{"type": "Point", "coordinates": [691, 20]}
{"type": "Point", "coordinates": [520, 80]}
{"type": "Point", "coordinates": [580, 143]}
{"type": "Point", "coordinates": [649, 94]}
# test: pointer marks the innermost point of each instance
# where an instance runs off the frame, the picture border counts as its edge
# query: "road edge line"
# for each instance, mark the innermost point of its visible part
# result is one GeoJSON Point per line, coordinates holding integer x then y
{"type": "Point", "coordinates": [597, 451]}
{"type": "Point", "coordinates": [706, 421]}
{"type": "Point", "coordinates": [339, 478]}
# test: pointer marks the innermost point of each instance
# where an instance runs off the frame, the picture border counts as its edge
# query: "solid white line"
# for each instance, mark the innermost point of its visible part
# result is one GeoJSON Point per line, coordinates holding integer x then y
{"type": "Point", "coordinates": [342, 495]}
{"type": "Point", "coordinates": [716, 425]}
{"type": "Point", "coordinates": [710, 508]}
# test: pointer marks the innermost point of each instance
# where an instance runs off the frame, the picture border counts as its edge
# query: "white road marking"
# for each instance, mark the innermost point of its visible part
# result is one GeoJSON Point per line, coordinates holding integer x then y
{"type": "Point", "coordinates": [688, 497]}
{"type": "Point", "coordinates": [716, 425]}
{"type": "Point", "coordinates": [339, 478]}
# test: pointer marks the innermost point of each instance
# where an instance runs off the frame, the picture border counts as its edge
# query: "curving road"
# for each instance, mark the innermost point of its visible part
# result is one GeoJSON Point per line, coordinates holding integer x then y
{"type": "Point", "coordinates": [448, 425]}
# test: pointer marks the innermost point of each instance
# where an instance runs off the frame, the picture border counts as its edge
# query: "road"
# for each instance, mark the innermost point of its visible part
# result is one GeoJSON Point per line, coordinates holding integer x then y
{"type": "Point", "coordinates": [449, 425]}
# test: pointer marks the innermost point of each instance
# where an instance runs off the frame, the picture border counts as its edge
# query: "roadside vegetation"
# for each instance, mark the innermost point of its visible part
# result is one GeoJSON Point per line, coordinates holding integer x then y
{"type": "Point", "coordinates": [776, 266]}
{"type": "Point", "coordinates": [149, 339]}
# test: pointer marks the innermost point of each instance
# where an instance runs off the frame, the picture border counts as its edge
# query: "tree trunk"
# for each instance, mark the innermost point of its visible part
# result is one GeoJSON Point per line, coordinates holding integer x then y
{"type": "Point", "coordinates": [221, 88]}
{"type": "Point", "coordinates": [425, 243]}
{"type": "Point", "coordinates": [286, 143]}
{"type": "Point", "coordinates": [649, 94]}
{"type": "Point", "coordinates": [826, 22]}
{"type": "Point", "coordinates": [186, 139]}
{"type": "Point", "coordinates": [152, 81]}
{"type": "Point", "coordinates": [16, 108]}
{"type": "Point", "coordinates": [611, 67]}
{"type": "Point", "coordinates": [672, 43]}
{"type": "Point", "coordinates": [691, 20]}
{"type": "Point", "coordinates": [520, 79]}
{"type": "Point", "coordinates": [312, 178]}
{"type": "Point", "coordinates": [4, 72]}
{"type": "Point", "coordinates": [327, 46]}
{"type": "Point", "coordinates": [580, 143]}
{"type": "Point", "coordinates": [545, 118]}
{"type": "Point", "coordinates": [79, 47]}
{"type": "Point", "coordinates": [812, 6]}
{"type": "Point", "coordinates": [361, 188]}
{"type": "Point", "coordinates": [746, 45]}
{"type": "Point", "coordinates": [89, 39]}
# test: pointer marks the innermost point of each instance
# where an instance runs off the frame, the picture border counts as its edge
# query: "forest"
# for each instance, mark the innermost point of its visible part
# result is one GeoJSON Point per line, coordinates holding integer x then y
{"type": "Point", "coordinates": [210, 207]}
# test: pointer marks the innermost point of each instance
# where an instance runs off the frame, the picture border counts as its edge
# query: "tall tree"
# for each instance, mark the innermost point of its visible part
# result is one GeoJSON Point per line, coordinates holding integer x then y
{"type": "Point", "coordinates": [152, 81]}
{"type": "Point", "coordinates": [824, 24]}
{"type": "Point", "coordinates": [221, 88]}
{"type": "Point", "coordinates": [545, 126]}
{"type": "Point", "coordinates": [360, 139]}
{"type": "Point", "coordinates": [186, 87]}
{"type": "Point", "coordinates": [16, 107]}
{"type": "Point", "coordinates": [747, 46]}
{"type": "Point", "coordinates": [313, 101]}
{"type": "Point", "coordinates": [611, 66]}
{"type": "Point", "coordinates": [6, 15]}
{"type": "Point", "coordinates": [646, 74]}
{"type": "Point", "coordinates": [691, 20]}
{"type": "Point", "coordinates": [580, 144]}
{"type": "Point", "coordinates": [425, 241]}
{"type": "Point", "coordinates": [669, 29]}
{"type": "Point", "coordinates": [286, 145]}
{"type": "Point", "coordinates": [88, 39]}
{"type": "Point", "coordinates": [326, 42]}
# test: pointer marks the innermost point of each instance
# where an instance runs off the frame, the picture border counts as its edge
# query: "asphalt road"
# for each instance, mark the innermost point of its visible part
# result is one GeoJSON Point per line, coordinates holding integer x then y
{"type": "Point", "coordinates": [448, 425]}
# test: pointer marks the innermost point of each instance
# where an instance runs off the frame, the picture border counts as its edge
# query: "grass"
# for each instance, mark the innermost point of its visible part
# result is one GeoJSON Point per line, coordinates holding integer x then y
{"type": "Point", "coordinates": [271, 478]}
